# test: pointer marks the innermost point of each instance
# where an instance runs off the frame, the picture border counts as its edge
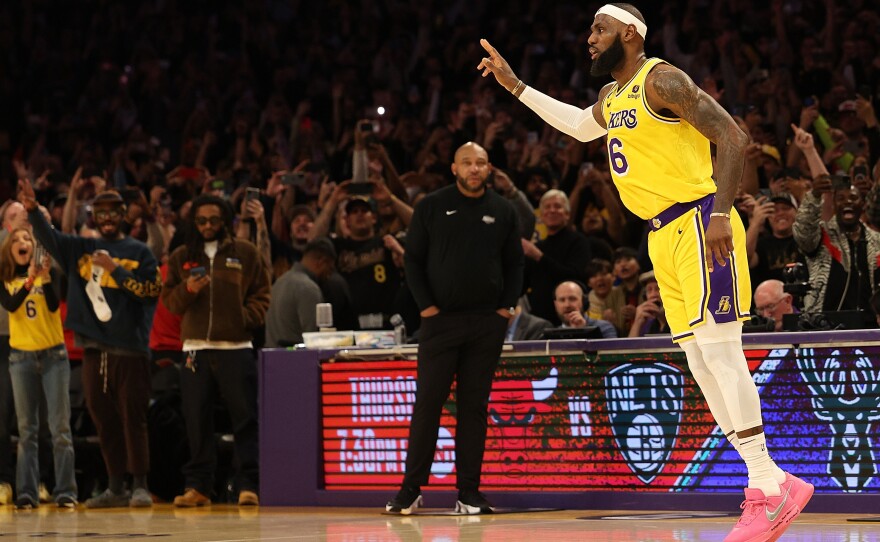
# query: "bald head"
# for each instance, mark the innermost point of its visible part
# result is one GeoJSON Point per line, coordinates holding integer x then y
{"type": "Point", "coordinates": [771, 288]}
{"type": "Point", "coordinates": [471, 169]}
{"type": "Point", "coordinates": [771, 301]}
{"type": "Point", "coordinates": [470, 148]}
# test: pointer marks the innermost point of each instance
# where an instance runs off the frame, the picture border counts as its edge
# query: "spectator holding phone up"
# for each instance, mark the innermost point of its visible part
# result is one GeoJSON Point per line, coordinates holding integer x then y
{"type": "Point", "coordinates": [841, 252]}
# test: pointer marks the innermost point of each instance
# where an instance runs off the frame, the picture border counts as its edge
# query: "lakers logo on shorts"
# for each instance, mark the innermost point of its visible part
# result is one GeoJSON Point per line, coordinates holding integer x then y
{"type": "Point", "coordinates": [723, 305]}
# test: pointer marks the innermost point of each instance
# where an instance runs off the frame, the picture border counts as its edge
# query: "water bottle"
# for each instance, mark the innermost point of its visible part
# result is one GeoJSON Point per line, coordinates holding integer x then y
{"type": "Point", "coordinates": [399, 329]}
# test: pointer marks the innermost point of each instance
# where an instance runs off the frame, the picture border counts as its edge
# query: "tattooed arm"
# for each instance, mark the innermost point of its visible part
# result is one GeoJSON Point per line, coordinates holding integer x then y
{"type": "Point", "coordinates": [669, 88]}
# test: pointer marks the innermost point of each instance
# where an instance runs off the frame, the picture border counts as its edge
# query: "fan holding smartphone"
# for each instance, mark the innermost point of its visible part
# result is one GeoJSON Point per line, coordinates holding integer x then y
{"type": "Point", "coordinates": [198, 279]}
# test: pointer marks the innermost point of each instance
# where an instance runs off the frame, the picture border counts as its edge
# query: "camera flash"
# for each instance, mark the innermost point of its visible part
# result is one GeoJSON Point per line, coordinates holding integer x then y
{"type": "Point", "coordinates": [380, 110]}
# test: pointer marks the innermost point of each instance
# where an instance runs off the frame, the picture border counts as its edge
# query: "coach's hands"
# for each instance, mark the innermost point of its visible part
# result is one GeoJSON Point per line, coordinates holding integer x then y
{"type": "Point", "coordinates": [719, 241]}
{"type": "Point", "coordinates": [496, 65]}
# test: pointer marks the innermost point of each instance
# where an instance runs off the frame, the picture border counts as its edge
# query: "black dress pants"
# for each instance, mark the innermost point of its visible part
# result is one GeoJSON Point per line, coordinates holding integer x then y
{"type": "Point", "coordinates": [463, 347]}
{"type": "Point", "coordinates": [232, 374]}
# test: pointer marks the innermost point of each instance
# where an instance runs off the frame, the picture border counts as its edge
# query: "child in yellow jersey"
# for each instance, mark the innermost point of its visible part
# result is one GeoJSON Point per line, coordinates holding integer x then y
{"type": "Point", "coordinates": [38, 365]}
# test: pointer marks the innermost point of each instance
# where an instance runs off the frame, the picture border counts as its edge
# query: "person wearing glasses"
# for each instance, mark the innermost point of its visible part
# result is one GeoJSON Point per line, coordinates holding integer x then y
{"type": "Point", "coordinates": [220, 285]}
{"type": "Point", "coordinates": [771, 301]}
{"type": "Point", "coordinates": [113, 285]}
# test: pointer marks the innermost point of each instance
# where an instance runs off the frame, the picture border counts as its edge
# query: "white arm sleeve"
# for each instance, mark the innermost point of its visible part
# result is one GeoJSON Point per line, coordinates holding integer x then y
{"type": "Point", "coordinates": [568, 119]}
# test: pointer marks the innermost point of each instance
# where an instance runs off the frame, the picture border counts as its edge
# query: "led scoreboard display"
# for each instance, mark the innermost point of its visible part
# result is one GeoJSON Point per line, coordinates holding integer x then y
{"type": "Point", "coordinates": [611, 421]}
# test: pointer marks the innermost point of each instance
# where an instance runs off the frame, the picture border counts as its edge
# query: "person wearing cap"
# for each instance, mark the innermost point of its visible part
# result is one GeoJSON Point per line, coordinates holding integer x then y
{"type": "Point", "coordinates": [770, 242]}
{"type": "Point", "coordinates": [113, 285]}
{"type": "Point", "coordinates": [220, 285]}
{"type": "Point", "coordinates": [660, 126]}
{"type": "Point", "coordinates": [299, 225]}
{"type": "Point", "coordinates": [294, 295]}
{"type": "Point", "coordinates": [650, 317]}
{"type": "Point", "coordinates": [770, 163]}
{"type": "Point", "coordinates": [363, 259]}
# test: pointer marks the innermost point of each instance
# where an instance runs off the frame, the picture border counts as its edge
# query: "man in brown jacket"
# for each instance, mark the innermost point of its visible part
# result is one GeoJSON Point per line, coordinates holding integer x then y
{"type": "Point", "coordinates": [221, 287]}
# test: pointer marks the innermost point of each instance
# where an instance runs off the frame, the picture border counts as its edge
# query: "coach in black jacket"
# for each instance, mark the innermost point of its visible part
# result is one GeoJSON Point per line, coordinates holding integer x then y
{"type": "Point", "coordinates": [464, 266]}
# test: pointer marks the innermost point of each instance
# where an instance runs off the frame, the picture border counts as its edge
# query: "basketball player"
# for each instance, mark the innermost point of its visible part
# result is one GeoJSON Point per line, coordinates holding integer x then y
{"type": "Point", "coordinates": [659, 126]}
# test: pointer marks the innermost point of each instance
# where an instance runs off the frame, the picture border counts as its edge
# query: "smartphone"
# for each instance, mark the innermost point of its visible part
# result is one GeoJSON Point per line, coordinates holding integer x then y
{"type": "Point", "coordinates": [585, 167]}
{"type": "Point", "coordinates": [809, 101]}
{"type": "Point", "coordinates": [360, 189]}
{"type": "Point", "coordinates": [252, 194]}
{"type": "Point", "coordinates": [294, 178]}
{"type": "Point", "coordinates": [860, 170]}
{"type": "Point", "coordinates": [197, 272]}
{"type": "Point", "coordinates": [218, 184]}
{"type": "Point", "coordinates": [765, 192]}
{"type": "Point", "coordinates": [39, 253]}
{"type": "Point", "coordinates": [866, 92]}
{"type": "Point", "coordinates": [368, 127]}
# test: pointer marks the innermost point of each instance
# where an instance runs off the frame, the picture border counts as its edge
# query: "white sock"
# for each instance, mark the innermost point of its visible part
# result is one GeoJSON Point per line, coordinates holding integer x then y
{"type": "Point", "coordinates": [96, 295]}
{"type": "Point", "coordinates": [778, 473]}
{"type": "Point", "coordinates": [762, 469]}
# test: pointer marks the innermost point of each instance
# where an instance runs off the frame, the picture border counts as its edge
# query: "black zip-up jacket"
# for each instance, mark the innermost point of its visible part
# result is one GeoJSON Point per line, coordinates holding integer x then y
{"type": "Point", "coordinates": [464, 254]}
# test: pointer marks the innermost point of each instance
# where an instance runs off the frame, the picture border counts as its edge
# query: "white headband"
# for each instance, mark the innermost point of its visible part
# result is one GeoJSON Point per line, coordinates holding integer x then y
{"type": "Point", "coordinates": [624, 17]}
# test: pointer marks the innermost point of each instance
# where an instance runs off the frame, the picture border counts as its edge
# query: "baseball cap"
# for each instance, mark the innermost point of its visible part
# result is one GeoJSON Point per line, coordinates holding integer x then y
{"type": "Point", "coordinates": [790, 173]}
{"type": "Point", "coordinates": [647, 277]}
{"type": "Point", "coordinates": [108, 197]}
{"type": "Point", "coordinates": [784, 197]}
{"type": "Point", "coordinates": [358, 201]}
{"type": "Point", "coordinates": [322, 245]}
{"type": "Point", "coordinates": [773, 152]}
{"type": "Point", "coordinates": [298, 210]}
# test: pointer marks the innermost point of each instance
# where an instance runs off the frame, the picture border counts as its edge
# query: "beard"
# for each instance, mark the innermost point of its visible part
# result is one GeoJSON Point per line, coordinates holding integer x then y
{"type": "Point", "coordinates": [465, 187]}
{"type": "Point", "coordinates": [608, 61]}
{"type": "Point", "coordinates": [219, 235]}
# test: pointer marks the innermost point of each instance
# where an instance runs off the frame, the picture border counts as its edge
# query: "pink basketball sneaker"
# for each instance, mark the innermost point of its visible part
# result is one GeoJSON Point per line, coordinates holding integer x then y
{"type": "Point", "coordinates": [764, 518]}
{"type": "Point", "coordinates": [800, 491]}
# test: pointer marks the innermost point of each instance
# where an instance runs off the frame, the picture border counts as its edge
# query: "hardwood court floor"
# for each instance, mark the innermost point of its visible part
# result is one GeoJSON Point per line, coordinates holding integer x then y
{"type": "Point", "coordinates": [224, 523]}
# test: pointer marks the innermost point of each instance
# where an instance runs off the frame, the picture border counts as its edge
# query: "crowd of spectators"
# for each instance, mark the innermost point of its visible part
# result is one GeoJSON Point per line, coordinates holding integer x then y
{"type": "Point", "coordinates": [164, 101]}
{"type": "Point", "coordinates": [334, 118]}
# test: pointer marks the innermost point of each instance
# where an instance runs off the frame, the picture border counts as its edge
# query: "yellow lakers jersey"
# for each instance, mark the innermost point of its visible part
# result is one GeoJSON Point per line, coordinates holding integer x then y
{"type": "Point", "coordinates": [655, 161]}
{"type": "Point", "coordinates": [33, 326]}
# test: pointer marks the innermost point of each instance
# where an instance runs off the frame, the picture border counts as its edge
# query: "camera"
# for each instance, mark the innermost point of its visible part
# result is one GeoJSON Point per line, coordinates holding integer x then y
{"type": "Point", "coordinates": [796, 281]}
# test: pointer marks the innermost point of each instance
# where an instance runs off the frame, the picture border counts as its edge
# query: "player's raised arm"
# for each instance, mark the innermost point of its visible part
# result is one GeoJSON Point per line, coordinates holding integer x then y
{"type": "Point", "coordinates": [581, 124]}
